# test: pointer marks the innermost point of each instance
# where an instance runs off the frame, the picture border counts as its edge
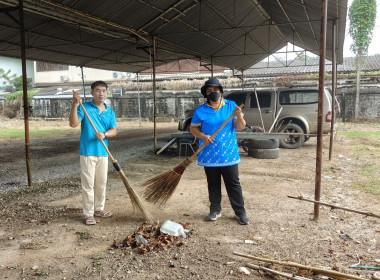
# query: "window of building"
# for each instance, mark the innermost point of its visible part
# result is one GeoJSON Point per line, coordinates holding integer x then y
{"type": "Point", "coordinates": [46, 66]}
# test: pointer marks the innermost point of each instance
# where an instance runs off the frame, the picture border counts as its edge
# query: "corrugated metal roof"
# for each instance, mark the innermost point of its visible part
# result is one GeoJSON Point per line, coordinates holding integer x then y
{"type": "Point", "coordinates": [311, 65]}
{"type": "Point", "coordinates": [117, 35]}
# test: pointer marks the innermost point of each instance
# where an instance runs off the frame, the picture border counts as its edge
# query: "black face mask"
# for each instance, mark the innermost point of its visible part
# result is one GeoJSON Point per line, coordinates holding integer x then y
{"type": "Point", "coordinates": [213, 96]}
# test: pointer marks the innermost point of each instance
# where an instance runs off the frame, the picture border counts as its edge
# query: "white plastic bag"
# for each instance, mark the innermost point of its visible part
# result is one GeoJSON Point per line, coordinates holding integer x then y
{"type": "Point", "coordinates": [173, 228]}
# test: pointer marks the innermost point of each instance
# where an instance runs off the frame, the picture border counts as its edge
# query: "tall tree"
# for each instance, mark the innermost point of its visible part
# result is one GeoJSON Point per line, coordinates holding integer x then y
{"type": "Point", "coordinates": [362, 15]}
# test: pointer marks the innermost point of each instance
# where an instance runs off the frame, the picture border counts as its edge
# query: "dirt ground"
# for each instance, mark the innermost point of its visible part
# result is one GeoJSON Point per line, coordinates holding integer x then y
{"type": "Point", "coordinates": [42, 234]}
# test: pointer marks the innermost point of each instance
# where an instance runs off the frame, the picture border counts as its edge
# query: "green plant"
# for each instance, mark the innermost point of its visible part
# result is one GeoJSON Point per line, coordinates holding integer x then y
{"type": "Point", "coordinates": [42, 274]}
{"type": "Point", "coordinates": [362, 15]}
{"type": "Point", "coordinates": [84, 235]}
{"type": "Point", "coordinates": [19, 94]}
{"type": "Point", "coordinates": [18, 83]}
{"type": "Point", "coordinates": [13, 82]}
{"type": "Point", "coordinates": [101, 255]}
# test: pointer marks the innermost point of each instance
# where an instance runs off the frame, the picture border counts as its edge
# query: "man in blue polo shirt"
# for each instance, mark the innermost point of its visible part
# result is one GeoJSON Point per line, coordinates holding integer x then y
{"type": "Point", "coordinates": [220, 158]}
{"type": "Point", "coordinates": [93, 156]}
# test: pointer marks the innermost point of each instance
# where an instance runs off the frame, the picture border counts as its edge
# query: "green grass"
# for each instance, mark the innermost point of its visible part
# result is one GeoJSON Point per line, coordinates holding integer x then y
{"type": "Point", "coordinates": [367, 151]}
{"type": "Point", "coordinates": [370, 180]}
{"type": "Point", "coordinates": [362, 134]}
{"type": "Point", "coordinates": [19, 133]}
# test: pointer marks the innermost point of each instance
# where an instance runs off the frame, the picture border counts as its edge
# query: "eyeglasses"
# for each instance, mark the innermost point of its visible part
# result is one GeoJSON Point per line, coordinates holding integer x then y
{"type": "Point", "coordinates": [100, 90]}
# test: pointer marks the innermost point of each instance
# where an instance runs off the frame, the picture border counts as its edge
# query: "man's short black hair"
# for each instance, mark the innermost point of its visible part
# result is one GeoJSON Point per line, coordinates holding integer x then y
{"type": "Point", "coordinates": [98, 83]}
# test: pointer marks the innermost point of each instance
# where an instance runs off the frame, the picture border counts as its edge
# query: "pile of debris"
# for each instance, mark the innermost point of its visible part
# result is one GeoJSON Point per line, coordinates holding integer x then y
{"type": "Point", "coordinates": [153, 237]}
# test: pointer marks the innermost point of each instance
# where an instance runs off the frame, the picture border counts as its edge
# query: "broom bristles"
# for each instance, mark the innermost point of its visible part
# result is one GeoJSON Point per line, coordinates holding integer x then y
{"type": "Point", "coordinates": [136, 201]}
{"type": "Point", "coordinates": [161, 187]}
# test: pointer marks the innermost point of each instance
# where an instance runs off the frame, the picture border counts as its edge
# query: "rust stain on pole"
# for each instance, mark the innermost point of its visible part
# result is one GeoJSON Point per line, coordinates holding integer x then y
{"type": "Point", "coordinates": [322, 56]}
{"type": "Point", "coordinates": [25, 91]}
{"type": "Point", "coordinates": [333, 84]}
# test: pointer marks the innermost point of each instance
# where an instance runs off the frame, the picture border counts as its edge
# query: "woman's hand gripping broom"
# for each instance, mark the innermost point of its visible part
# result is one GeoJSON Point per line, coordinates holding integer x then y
{"type": "Point", "coordinates": [136, 201]}
{"type": "Point", "coordinates": [161, 187]}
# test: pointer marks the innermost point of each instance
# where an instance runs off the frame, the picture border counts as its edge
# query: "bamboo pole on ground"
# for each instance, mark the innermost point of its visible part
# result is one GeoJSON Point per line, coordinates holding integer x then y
{"type": "Point", "coordinates": [283, 274]}
{"type": "Point", "coordinates": [329, 273]}
{"type": "Point", "coordinates": [334, 206]}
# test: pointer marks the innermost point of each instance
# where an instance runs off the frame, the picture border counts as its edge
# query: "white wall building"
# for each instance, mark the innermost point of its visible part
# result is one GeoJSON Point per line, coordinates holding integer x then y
{"type": "Point", "coordinates": [46, 73]}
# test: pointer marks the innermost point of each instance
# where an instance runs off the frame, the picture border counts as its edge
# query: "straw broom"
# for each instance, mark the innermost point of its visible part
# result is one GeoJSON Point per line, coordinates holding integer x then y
{"type": "Point", "coordinates": [136, 202]}
{"type": "Point", "coordinates": [161, 187]}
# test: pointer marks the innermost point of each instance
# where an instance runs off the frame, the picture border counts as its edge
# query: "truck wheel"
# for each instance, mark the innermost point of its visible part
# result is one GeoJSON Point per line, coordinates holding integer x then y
{"type": "Point", "coordinates": [292, 142]}
{"type": "Point", "coordinates": [263, 143]}
{"type": "Point", "coordinates": [264, 153]}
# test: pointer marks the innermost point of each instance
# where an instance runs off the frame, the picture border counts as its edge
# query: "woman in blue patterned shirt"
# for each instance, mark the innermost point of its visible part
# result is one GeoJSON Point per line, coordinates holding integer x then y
{"type": "Point", "coordinates": [220, 158]}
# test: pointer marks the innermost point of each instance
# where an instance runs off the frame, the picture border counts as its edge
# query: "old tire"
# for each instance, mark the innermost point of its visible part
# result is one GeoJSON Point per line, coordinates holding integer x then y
{"type": "Point", "coordinates": [263, 143]}
{"type": "Point", "coordinates": [292, 142]}
{"type": "Point", "coordinates": [264, 153]}
{"type": "Point", "coordinates": [245, 146]}
{"type": "Point", "coordinates": [243, 142]}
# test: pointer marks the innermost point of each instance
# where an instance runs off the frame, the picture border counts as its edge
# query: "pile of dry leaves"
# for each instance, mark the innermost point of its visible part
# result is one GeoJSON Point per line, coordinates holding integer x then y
{"type": "Point", "coordinates": [148, 237]}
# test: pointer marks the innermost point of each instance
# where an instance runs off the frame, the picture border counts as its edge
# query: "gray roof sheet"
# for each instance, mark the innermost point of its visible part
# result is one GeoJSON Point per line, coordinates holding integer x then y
{"type": "Point", "coordinates": [311, 65]}
{"type": "Point", "coordinates": [117, 35]}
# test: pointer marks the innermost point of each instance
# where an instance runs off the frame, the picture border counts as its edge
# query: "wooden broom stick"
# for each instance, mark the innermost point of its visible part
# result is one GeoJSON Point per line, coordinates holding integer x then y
{"type": "Point", "coordinates": [136, 202]}
{"type": "Point", "coordinates": [191, 158]}
{"type": "Point", "coordinates": [329, 273]}
{"type": "Point", "coordinates": [337, 207]}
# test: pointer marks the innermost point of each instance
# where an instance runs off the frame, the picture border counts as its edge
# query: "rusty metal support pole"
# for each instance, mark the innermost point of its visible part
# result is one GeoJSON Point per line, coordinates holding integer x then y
{"type": "Point", "coordinates": [322, 56]}
{"type": "Point", "coordinates": [242, 79]}
{"type": "Point", "coordinates": [25, 91]}
{"type": "Point", "coordinates": [154, 95]}
{"type": "Point", "coordinates": [333, 85]}
{"type": "Point", "coordinates": [84, 88]}
{"type": "Point", "coordinates": [212, 68]}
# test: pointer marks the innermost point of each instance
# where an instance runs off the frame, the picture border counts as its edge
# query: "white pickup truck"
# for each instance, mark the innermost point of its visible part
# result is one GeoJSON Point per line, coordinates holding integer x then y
{"type": "Point", "coordinates": [299, 113]}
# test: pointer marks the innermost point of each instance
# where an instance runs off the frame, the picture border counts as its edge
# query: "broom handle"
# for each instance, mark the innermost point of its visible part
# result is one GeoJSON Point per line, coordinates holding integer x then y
{"type": "Point", "coordinates": [96, 131]}
{"type": "Point", "coordinates": [215, 133]}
